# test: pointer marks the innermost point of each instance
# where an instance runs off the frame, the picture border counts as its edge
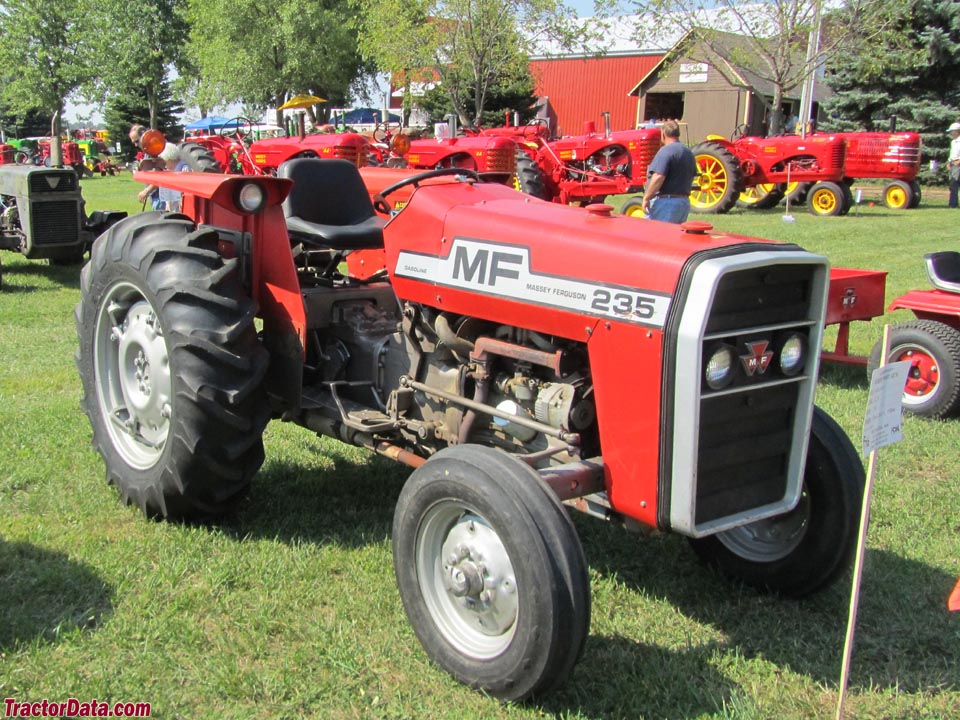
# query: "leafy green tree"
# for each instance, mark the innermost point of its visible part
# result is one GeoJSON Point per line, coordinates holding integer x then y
{"type": "Point", "coordinates": [262, 53]}
{"type": "Point", "coordinates": [43, 53]}
{"type": "Point", "coordinates": [513, 94]}
{"type": "Point", "coordinates": [911, 74]}
{"type": "Point", "coordinates": [774, 36]}
{"type": "Point", "coordinates": [469, 45]}
{"type": "Point", "coordinates": [144, 43]}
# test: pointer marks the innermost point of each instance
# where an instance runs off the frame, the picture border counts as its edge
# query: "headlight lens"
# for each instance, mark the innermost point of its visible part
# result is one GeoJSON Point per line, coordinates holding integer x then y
{"type": "Point", "coordinates": [251, 197]}
{"type": "Point", "coordinates": [719, 370]}
{"type": "Point", "coordinates": [793, 355]}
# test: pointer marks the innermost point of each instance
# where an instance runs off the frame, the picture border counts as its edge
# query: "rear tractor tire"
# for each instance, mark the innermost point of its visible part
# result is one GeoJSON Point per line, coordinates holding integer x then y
{"type": "Point", "coordinates": [529, 178]}
{"type": "Point", "coordinates": [761, 197]}
{"type": "Point", "coordinates": [808, 548]}
{"type": "Point", "coordinates": [198, 159]}
{"type": "Point", "coordinates": [932, 348]}
{"type": "Point", "coordinates": [171, 367]}
{"type": "Point", "coordinates": [718, 181]}
{"type": "Point", "coordinates": [491, 572]}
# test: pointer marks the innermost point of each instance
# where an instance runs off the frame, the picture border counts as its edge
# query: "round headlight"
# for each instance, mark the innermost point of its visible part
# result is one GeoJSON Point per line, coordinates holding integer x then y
{"type": "Point", "coordinates": [793, 355]}
{"type": "Point", "coordinates": [251, 197]}
{"type": "Point", "coordinates": [719, 371]}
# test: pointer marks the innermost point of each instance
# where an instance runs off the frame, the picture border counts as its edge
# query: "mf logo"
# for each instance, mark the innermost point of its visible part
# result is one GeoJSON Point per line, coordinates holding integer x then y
{"type": "Point", "coordinates": [757, 359]}
{"type": "Point", "coordinates": [486, 266]}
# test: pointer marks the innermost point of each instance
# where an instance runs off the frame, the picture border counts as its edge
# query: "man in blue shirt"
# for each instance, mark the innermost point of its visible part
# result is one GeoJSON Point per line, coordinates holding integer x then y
{"type": "Point", "coordinates": [670, 178]}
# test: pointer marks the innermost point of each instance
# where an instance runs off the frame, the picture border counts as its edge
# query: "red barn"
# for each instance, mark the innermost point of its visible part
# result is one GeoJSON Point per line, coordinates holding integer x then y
{"type": "Point", "coordinates": [575, 90]}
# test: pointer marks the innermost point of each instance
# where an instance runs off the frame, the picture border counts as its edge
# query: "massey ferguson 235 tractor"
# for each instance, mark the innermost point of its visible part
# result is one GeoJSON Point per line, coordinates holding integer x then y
{"type": "Point", "coordinates": [518, 354]}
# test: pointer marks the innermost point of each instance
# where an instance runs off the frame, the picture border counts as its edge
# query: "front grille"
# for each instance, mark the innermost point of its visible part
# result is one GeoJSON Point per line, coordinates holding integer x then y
{"type": "Point", "coordinates": [837, 157]}
{"type": "Point", "coordinates": [53, 181]}
{"type": "Point", "coordinates": [501, 160]}
{"type": "Point", "coordinates": [351, 153]}
{"type": "Point", "coordinates": [738, 447]}
{"type": "Point", "coordinates": [55, 223]}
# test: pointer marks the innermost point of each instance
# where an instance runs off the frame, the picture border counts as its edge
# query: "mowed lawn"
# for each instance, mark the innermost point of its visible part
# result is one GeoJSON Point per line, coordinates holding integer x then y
{"type": "Point", "coordinates": [288, 609]}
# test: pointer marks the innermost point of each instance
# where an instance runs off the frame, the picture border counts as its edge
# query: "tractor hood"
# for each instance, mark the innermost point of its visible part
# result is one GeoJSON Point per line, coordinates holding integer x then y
{"type": "Point", "coordinates": [456, 241]}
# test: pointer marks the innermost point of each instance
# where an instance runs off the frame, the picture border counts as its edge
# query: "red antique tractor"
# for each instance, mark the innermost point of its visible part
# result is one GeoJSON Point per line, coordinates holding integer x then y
{"type": "Point", "coordinates": [584, 168]}
{"type": "Point", "coordinates": [888, 156]}
{"type": "Point", "coordinates": [517, 354]}
{"type": "Point", "coordinates": [727, 168]}
{"type": "Point", "coordinates": [235, 154]}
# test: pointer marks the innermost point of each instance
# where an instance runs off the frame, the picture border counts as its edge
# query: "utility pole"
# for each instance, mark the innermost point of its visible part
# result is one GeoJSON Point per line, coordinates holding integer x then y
{"type": "Point", "coordinates": [810, 65]}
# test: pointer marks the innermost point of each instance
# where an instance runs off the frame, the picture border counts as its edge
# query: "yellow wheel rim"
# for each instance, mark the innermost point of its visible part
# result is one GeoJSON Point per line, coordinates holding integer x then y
{"type": "Point", "coordinates": [635, 211]}
{"type": "Point", "coordinates": [824, 202]}
{"type": "Point", "coordinates": [896, 198]}
{"type": "Point", "coordinates": [711, 183]}
{"type": "Point", "coordinates": [753, 195]}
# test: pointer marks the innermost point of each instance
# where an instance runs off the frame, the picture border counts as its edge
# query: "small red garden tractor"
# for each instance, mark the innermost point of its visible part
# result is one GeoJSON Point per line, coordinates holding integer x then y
{"type": "Point", "coordinates": [763, 167]}
{"type": "Point", "coordinates": [522, 356]}
{"type": "Point", "coordinates": [71, 153]}
{"type": "Point", "coordinates": [931, 343]}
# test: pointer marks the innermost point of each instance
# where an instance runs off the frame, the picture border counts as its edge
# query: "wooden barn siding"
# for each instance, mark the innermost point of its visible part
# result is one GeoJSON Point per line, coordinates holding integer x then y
{"type": "Point", "coordinates": [580, 89]}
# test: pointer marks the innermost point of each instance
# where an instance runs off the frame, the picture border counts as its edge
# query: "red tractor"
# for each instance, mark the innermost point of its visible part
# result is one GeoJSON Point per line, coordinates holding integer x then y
{"type": "Point", "coordinates": [584, 168]}
{"type": "Point", "coordinates": [889, 156]}
{"type": "Point", "coordinates": [931, 343]}
{"type": "Point", "coordinates": [728, 168]}
{"type": "Point", "coordinates": [72, 156]}
{"type": "Point", "coordinates": [235, 155]}
{"type": "Point", "coordinates": [517, 354]}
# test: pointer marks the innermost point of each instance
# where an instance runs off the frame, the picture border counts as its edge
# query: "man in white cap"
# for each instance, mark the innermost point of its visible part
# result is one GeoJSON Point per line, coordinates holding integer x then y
{"type": "Point", "coordinates": [953, 163]}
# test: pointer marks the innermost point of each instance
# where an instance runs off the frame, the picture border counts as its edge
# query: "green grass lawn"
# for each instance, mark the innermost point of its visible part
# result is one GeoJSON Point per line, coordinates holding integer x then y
{"type": "Point", "coordinates": [288, 609]}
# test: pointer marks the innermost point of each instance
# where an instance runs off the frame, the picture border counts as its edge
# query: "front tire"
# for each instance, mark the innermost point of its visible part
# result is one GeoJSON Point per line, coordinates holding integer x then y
{"type": "Point", "coordinates": [171, 367]}
{"type": "Point", "coordinates": [827, 199]}
{"type": "Point", "coordinates": [718, 181]}
{"type": "Point", "coordinates": [933, 351]}
{"type": "Point", "coordinates": [529, 178]}
{"type": "Point", "coordinates": [633, 208]}
{"type": "Point", "coordinates": [491, 572]}
{"type": "Point", "coordinates": [761, 197]}
{"type": "Point", "coordinates": [808, 548]}
{"type": "Point", "coordinates": [898, 195]}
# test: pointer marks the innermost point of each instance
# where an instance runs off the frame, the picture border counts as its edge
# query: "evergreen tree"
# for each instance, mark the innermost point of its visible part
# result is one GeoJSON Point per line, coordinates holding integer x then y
{"type": "Point", "coordinates": [912, 75]}
{"type": "Point", "coordinates": [132, 107]}
{"type": "Point", "coordinates": [510, 93]}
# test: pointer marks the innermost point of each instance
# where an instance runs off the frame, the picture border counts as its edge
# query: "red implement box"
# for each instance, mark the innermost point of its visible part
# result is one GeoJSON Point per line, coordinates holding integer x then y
{"type": "Point", "coordinates": [853, 295]}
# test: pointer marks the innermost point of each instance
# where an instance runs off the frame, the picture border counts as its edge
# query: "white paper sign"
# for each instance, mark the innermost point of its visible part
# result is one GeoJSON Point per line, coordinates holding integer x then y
{"type": "Point", "coordinates": [881, 426]}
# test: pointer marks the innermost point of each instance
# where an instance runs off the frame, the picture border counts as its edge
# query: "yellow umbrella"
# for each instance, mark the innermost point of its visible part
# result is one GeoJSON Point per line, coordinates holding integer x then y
{"type": "Point", "coordinates": [301, 101]}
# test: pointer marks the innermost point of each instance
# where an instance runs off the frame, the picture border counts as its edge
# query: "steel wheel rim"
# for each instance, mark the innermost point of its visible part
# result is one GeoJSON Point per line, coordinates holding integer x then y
{"type": "Point", "coordinates": [756, 193]}
{"type": "Point", "coordinates": [467, 580]}
{"type": "Point", "coordinates": [711, 183]}
{"type": "Point", "coordinates": [132, 375]}
{"type": "Point", "coordinates": [923, 378]}
{"type": "Point", "coordinates": [824, 202]}
{"type": "Point", "coordinates": [771, 539]}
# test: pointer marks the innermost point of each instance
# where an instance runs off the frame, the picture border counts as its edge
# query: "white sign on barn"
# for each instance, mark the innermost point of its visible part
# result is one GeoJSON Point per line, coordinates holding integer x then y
{"type": "Point", "coordinates": [693, 72]}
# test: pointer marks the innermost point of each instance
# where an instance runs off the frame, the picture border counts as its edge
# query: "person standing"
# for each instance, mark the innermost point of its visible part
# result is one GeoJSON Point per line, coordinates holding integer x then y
{"type": "Point", "coordinates": [164, 160]}
{"type": "Point", "coordinates": [953, 163]}
{"type": "Point", "coordinates": [670, 178]}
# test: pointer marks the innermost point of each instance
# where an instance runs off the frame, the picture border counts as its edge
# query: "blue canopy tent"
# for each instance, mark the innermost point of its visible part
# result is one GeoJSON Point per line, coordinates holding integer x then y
{"type": "Point", "coordinates": [364, 116]}
{"type": "Point", "coordinates": [214, 123]}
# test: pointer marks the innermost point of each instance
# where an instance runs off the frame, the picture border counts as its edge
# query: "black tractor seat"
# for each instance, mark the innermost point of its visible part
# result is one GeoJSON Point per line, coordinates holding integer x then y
{"type": "Point", "coordinates": [329, 205]}
{"type": "Point", "coordinates": [943, 269]}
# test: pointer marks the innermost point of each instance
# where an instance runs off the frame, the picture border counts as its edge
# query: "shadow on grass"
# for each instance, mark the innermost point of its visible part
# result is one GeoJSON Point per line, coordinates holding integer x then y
{"type": "Point", "coordinates": [350, 504]}
{"type": "Point", "coordinates": [46, 595]}
{"type": "Point", "coordinates": [620, 678]}
{"type": "Point", "coordinates": [906, 640]}
{"type": "Point", "coordinates": [841, 375]}
{"type": "Point", "coordinates": [63, 275]}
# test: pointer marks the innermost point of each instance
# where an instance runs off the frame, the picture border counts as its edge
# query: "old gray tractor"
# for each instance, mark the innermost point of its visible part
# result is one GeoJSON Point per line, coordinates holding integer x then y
{"type": "Point", "coordinates": [42, 214]}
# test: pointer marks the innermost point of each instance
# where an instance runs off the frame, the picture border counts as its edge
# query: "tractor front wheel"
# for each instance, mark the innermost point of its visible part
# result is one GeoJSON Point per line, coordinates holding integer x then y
{"type": "Point", "coordinates": [491, 572]}
{"type": "Point", "coordinates": [827, 199]}
{"type": "Point", "coordinates": [933, 350]}
{"type": "Point", "coordinates": [915, 188]}
{"type": "Point", "coordinates": [898, 195]}
{"type": "Point", "coordinates": [633, 208]}
{"type": "Point", "coordinates": [806, 549]}
{"type": "Point", "coordinates": [171, 367]}
{"type": "Point", "coordinates": [718, 181]}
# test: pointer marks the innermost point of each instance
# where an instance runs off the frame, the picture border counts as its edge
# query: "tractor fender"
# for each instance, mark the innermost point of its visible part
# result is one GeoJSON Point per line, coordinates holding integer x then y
{"type": "Point", "coordinates": [930, 305]}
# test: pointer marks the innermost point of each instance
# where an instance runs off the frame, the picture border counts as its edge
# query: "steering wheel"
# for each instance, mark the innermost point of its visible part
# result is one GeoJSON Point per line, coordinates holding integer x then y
{"type": "Point", "coordinates": [233, 127]}
{"type": "Point", "coordinates": [380, 203]}
{"type": "Point", "coordinates": [738, 131]}
{"type": "Point", "coordinates": [383, 130]}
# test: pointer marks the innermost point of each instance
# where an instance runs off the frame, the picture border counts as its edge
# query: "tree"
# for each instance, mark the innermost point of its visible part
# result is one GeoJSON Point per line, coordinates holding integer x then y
{"type": "Point", "coordinates": [911, 74]}
{"type": "Point", "coordinates": [42, 50]}
{"type": "Point", "coordinates": [262, 53]}
{"type": "Point", "coordinates": [775, 36]}
{"type": "Point", "coordinates": [144, 44]}
{"type": "Point", "coordinates": [469, 45]}
{"type": "Point", "coordinates": [123, 110]}
{"type": "Point", "coordinates": [514, 93]}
